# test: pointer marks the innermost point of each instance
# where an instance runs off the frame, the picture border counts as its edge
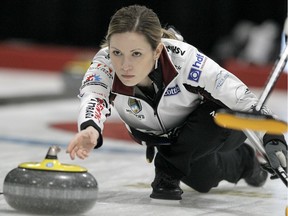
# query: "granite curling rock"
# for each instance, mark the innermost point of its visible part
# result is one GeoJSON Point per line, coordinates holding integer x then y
{"type": "Point", "coordinates": [50, 187]}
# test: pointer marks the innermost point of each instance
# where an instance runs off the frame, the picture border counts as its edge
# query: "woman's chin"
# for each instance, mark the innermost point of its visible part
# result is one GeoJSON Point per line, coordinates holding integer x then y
{"type": "Point", "coordinates": [129, 83]}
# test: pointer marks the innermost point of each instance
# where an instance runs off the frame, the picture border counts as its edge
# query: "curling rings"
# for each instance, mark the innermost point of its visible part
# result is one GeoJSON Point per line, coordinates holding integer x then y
{"type": "Point", "coordinates": [50, 187]}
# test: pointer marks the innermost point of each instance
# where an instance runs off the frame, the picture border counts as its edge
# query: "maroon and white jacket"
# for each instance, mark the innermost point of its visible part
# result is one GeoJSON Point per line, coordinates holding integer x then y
{"type": "Point", "coordinates": [188, 76]}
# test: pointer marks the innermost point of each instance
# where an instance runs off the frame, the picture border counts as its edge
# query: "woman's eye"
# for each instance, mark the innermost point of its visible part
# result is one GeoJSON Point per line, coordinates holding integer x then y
{"type": "Point", "coordinates": [137, 54]}
{"type": "Point", "coordinates": [116, 53]}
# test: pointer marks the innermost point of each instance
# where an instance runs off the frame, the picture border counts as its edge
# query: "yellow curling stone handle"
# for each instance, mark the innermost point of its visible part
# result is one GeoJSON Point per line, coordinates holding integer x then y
{"type": "Point", "coordinates": [51, 163]}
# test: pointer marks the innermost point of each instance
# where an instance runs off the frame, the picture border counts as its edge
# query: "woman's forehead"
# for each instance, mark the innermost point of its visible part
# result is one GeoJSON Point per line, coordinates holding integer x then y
{"type": "Point", "coordinates": [129, 40]}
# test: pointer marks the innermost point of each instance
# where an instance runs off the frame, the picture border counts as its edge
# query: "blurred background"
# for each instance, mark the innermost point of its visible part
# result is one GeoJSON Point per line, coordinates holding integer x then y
{"type": "Point", "coordinates": [63, 35]}
{"type": "Point", "coordinates": [83, 23]}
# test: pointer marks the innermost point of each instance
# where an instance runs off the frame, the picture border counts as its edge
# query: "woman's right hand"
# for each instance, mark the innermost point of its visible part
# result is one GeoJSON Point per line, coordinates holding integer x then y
{"type": "Point", "coordinates": [83, 143]}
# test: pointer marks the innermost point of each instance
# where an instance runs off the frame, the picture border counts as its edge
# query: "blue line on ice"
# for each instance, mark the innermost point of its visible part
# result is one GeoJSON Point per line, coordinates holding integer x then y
{"type": "Point", "coordinates": [104, 148]}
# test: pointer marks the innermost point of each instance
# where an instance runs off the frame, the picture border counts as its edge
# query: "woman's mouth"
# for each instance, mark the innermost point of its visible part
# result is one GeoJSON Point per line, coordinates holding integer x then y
{"type": "Point", "coordinates": [128, 76]}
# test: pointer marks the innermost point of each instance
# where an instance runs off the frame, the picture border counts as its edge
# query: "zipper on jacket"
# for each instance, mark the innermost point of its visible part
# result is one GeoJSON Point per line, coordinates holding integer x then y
{"type": "Point", "coordinates": [159, 120]}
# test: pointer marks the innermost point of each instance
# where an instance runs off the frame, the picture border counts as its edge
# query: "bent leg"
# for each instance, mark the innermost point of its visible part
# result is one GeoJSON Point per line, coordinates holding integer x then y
{"type": "Point", "coordinates": [199, 137]}
{"type": "Point", "coordinates": [204, 153]}
{"type": "Point", "coordinates": [208, 171]}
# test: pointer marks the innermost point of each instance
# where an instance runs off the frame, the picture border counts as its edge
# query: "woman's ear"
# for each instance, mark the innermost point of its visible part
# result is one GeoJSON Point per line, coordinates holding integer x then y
{"type": "Point", "coordinates": [158, 50]}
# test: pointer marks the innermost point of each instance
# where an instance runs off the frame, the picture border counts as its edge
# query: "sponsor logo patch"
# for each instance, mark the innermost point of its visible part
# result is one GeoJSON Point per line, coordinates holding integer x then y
{"type": "Point", "coordinates": [94, 108]}
{"type": "Point", "coordinates": [102, 67]}
{"type": "Point", "coordinates": [172, 91]}
{"type": "Point", "coordinates": [176, 50]}
{"type": "Point", "coordinates": [220, 79]}
{"type": "Point", "coordinates": [93, 79]}
{"type": "Point", "coordinates": [194, 74]}
{"type": "Point", "coordinates": [240, 93]}
{"type": "Point", "coordinates": [178, 67]}
{"type": "Point", "coordinates": [195, 71]}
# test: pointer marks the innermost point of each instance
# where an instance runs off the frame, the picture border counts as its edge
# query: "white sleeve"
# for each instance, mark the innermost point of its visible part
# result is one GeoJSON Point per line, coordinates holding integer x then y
{"type": "Point", "coordinates": [94, 93]}
{"type": "Point", "coordinates": [219, 84]}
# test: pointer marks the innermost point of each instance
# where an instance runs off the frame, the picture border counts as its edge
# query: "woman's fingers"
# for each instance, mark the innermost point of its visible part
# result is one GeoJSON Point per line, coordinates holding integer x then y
{"type": "Point", "coordinates": [73, 146]}
{"type": "Point", "coordinates": [73, 143]}
{"type": "Point", "coordinates": [82, 154]}
{"type": "Point", "coordinates": [73, 152]}
{"type": "Point", "coordinates": [79, 152]}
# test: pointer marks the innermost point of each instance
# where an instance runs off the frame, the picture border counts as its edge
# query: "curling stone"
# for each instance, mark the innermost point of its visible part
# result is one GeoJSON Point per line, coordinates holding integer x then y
{"type": "Point", "coordinates": [50, 187]}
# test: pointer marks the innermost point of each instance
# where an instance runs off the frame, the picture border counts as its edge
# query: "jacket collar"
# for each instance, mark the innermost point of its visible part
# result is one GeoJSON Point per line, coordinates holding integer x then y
{"type": "Point", "coordinates": [166, 68]}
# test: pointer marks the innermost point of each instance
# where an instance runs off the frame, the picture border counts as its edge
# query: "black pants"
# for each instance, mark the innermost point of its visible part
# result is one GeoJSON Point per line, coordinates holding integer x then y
{"type": "Point", "coordinates": [204, 153]}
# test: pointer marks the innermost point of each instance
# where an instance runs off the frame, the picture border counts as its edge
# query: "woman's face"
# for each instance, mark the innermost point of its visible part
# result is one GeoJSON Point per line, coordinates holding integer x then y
{"type": "Point", "coordinates": [132, 57]}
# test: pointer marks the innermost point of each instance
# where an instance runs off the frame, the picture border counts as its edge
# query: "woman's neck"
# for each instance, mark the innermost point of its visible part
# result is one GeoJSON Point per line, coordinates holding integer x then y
{"type": "Point", "coordinates": [145, 83]}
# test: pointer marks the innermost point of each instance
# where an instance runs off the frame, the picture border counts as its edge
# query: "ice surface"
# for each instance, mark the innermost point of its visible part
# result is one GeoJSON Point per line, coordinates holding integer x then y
{"type": "Point", "coordinates": [120, 167]}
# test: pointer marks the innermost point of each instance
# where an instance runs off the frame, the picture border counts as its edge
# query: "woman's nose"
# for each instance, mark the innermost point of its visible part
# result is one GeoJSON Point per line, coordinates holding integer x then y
{"type": "Point", "coordinates": [126, 64]}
